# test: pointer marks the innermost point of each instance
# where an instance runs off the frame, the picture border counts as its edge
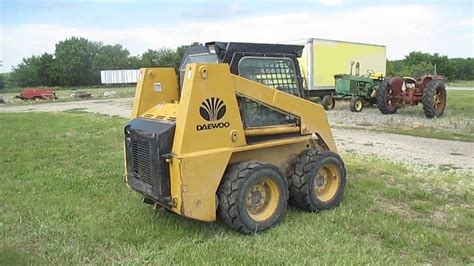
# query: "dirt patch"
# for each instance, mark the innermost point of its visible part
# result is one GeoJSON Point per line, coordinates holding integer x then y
{"type": "Point", "coordinates": [397, 207]}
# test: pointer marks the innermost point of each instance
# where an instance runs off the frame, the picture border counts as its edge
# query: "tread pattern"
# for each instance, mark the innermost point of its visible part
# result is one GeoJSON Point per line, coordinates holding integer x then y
{"type": "Point", "coordinates": [299, 179]}
{"type": "Point", "coordinates": [428, 96]}
{"type": "Point", "coordinates": [381, 95]}
{"type": "Point", "coordinates": [228, 194]}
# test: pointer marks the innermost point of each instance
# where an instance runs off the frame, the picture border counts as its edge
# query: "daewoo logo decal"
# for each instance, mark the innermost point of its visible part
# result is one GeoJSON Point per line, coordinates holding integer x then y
{"type": "Point", "coordinates": [212, 109]}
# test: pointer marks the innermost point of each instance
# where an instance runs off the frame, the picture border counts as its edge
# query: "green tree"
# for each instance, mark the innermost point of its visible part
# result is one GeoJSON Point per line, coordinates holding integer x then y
{"type": "Point", "coordinates": [163, 57]}
{"type": "Point", "coordinates": [74, 57]}
{"type": "Point", "coordinates": [135, 62]}
{"type": "Point", "coordinates": [40, 70]}
{"type": "Point", "coordinates": [110, 57]}
{"type": "Point", "coordinates": [26, 73]}
{"type": "Point", "coordinates": [47, 70]}
{"type": "Point", "coordinates": [3, 80]}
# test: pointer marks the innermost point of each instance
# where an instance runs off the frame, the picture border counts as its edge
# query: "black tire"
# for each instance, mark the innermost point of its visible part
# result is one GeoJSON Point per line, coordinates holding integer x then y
{"type": "Point", "coordinates": [434, 99]}
{"type": "Point", "coordinates": [356, 104]}
{"type": "Point", "coordinates": [328, 102]}
{"type": "Point", "coordinates": [383, 94]}
{"type": "Point", "coordinates": [303, 177]}
{"type": "Point", "coordinates": [233, 195]}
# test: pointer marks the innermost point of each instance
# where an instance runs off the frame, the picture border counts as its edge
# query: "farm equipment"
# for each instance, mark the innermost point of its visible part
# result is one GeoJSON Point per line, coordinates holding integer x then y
{"type": "Point", "coordinates": [232, 136]}
{"type": "Point", "coordinates": [37, 94]}
{"type": "Point", "coordinates": [361, 89]}
{"type": "Point", "coordinates": [81, 95]}
{"type": "Point", "coordinates": [397, 92]}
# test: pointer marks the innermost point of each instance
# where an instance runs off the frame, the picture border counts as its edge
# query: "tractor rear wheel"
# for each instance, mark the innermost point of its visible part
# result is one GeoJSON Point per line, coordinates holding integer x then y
{"type": "Point", "coordinates": [434, 99]}
{"type": "Point", "coordinates": [252, 196]}
{"type": "Point", "coordinates": [328, 102]}
{"type": "Point", "coordinates": [317, 180]}
{"type": "Point", "coordinates": [385, 101]}
{"type": "Point", "coordinates": [356, 104]}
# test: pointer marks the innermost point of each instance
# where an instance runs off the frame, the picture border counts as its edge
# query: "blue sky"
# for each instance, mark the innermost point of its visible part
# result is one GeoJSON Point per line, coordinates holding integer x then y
{"type": "Point", "coordinates": [33, 26]}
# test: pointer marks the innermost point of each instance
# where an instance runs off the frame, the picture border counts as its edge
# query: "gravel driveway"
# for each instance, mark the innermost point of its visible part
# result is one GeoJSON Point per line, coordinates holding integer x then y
{"type": "Point", "coordinates": [431, 153]}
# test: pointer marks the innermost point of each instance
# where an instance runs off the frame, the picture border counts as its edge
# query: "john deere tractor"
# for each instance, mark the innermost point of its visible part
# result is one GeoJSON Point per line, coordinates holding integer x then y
{"type": "Point", "coordinates": [362, 89]}
{"type": "Point", "coordinates": [232, 137]}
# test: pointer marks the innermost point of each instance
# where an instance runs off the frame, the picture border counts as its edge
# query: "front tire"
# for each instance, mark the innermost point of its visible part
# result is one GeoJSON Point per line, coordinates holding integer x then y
{"type": "Point", "coordinates": [434, 99]}
{"type": "Point", "coordinates": [317, 180]}
{"type": "Point", "coordinates": [356, 104]}
{"type": "Point", "coordinates": [252, 196]}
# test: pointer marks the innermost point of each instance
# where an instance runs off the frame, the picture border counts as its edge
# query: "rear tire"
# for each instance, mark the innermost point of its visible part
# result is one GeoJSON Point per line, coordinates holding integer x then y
{"type": "Point", "coordinates": [434, 99]}
{"type": "Point", "coordinates": [384, 95]}
{"type": "Point", "coordinates": [328, 102]}
{"type": "Point", "coordinates": [252, 196]}
{"type": "Point", "coordinates": [356, 104]}
{"type": "Point", "coordinates": [317, 180]}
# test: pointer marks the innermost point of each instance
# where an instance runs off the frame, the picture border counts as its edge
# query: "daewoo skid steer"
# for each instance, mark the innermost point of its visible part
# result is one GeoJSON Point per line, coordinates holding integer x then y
{"type": "Point", "coordinates": [232, 136]}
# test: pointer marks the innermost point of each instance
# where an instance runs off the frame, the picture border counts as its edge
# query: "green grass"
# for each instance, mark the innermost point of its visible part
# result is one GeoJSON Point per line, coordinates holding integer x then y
{"type": "Point", "coordinates": [460, 103]}
{"type": "Point", "coordinates": [63, 201]}
{"type": "Point", "coordinates": [461, 83]}
{"type": "Point", "coordinates": [64, 94]}
{"type": "Point", "coordinates": [427, 132]}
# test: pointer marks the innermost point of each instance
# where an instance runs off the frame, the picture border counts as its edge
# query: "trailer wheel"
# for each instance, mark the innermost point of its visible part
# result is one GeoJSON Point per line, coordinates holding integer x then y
{"type": "Point", "coordinates": [356, 104]}
{"type": "Point", "coordinates": [328, 102]}
{"type": "Point", "coordinates": [434, 99]}
{"type": "Point", "coordinates": [252, 196]}
{"type": "Point", "coordinates": [317, 180]}
{"type": "Point", "coordinates": [385, 101]}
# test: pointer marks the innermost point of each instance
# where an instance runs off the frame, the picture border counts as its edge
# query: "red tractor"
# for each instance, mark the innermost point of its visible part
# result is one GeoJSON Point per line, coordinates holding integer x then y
{"type": "Point", "coordinates": [397, 92]}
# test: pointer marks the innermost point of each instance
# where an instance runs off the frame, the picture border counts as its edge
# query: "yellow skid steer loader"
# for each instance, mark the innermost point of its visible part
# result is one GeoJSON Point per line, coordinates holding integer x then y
{"type": "Point", "coordinates": [232, 136]}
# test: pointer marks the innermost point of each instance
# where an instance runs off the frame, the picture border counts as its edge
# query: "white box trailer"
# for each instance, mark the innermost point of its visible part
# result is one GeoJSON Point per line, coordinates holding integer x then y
{"type": "Point", "coordinates": [122, 76]}
{"type": "Point", "coordinates": [322, 59]}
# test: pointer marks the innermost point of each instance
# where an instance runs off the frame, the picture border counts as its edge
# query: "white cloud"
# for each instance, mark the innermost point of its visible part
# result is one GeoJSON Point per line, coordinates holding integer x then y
{"type": "Point", "coordinates": [236, 7]}
{"type": "Point", "coordinates": [400, 31]}
{"type": "Point", "coordinates": [467, 22]}
{"type": "Point", "coordinates": [330, 2]}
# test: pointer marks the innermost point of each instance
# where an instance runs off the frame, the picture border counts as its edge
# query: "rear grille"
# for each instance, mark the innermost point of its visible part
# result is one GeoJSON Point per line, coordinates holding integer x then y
{"type": "Point", "coordinates": [141, 160]}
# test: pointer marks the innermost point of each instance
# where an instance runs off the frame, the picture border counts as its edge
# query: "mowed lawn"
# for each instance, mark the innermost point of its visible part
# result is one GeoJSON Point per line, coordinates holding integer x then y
{"type": "Point", "coordinates": [63, 201]}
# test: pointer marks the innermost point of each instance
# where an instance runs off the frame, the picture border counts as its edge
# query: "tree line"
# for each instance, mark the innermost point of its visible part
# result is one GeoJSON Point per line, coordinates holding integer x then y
{"type": "Point", "coordinates": [78, 62]}
{"type": "Point", "coordinates": [416, 64]}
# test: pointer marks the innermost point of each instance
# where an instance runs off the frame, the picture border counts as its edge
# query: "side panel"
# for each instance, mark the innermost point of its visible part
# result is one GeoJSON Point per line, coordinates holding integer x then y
{"type": "Point", "coordinates": [208, 125]}
{"type": "Point", "coordinates": [333, 57]}
{"type": "Point", "coordinates": [160, 86]}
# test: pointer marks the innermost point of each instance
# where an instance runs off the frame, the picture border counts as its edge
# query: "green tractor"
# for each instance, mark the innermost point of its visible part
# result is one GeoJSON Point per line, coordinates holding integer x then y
{"type": "Point", "coordinates": [361, 88]}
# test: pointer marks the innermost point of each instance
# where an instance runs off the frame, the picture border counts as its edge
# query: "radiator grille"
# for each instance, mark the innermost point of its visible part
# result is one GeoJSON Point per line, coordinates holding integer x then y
{"type": "Point", "coordinates": [141, 160]}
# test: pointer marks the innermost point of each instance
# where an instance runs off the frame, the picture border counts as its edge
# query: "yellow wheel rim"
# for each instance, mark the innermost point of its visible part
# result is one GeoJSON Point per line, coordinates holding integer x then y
{"type": "Point", "coordinates": [326, 182]}
{"type": "Point", "coordinates": [262, 199]}
{"type": "Point", "coordinates": [358, 105]}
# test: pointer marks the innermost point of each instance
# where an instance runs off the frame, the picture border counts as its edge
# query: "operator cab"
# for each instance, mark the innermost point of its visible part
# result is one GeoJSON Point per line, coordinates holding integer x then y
{"type": "Point", "coordinates": [273, 65]}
